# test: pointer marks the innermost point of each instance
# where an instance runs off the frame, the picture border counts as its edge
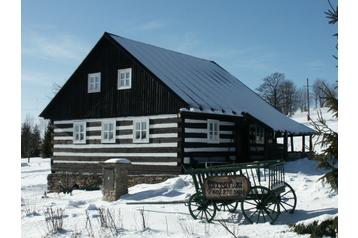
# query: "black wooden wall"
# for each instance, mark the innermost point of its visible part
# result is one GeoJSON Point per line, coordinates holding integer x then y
{"type": "Point", "coordinates": [148, 95]}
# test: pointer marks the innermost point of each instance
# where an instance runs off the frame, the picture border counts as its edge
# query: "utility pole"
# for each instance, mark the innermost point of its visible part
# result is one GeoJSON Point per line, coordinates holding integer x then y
{"type": "Point", "coordinates": [308, 102]}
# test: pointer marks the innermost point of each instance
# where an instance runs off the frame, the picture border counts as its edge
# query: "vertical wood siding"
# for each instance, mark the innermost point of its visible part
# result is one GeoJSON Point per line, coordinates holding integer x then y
{"type": "Point", "coordinates": [148, 95]}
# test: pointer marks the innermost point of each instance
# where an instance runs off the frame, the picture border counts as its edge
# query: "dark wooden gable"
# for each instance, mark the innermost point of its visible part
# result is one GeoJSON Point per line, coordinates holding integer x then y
{"type": "Point", "coordinates": [148, 95]}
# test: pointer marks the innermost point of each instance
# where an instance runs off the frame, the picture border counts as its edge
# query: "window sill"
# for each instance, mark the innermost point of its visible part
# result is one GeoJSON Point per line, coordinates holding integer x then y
{"type": "Point", "coordinates": [124, 88]}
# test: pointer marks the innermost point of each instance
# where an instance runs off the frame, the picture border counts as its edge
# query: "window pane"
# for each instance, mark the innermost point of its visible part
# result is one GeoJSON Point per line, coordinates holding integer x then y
{"type": "Point", "coordinates": [110, 135]}
{"type": "Point", "coordinates": [122, 76]}
{"type": "Point", "coordinates": [81, 136]}
{"type": "Point", "coordinates": [144, 125]}
{"type": "Point", "coordinates": [105, 136]}
{"type": "Point", "coordinates": [126, 83]}
{"type": "Point", "coordinates": [81, 128]}
{"type": "Point", "coordinates": [144, 134]}
{"type": "Point", "coordinates": [137, 135]}
{"type": "Point", "coordinates": [137, 125]}
{"type": "Point", "coordinates": [127, 75]}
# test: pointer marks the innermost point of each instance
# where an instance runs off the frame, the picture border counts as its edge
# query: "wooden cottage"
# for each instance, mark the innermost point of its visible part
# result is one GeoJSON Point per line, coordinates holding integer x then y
{"type": "Point", "coordinates": [161, 109]}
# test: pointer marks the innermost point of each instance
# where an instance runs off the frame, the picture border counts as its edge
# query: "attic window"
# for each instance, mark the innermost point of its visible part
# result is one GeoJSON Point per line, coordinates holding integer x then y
{"type": "Point", "coordinates": [94, 82]}
{"type": "Point", "coordinates": [79, 132]}
{"type": "Point", "coordinates": [124, 78]}
{"type": "Point", "coordinates": [213, 131]}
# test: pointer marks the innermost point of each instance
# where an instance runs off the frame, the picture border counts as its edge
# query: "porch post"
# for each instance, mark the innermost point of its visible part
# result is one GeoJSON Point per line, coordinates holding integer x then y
{"type": "Point", "coordinates": [303, 143]}
{"type": "Point", "coordinates": [311, 145]}
{"type": "Point", "coordinates": [292, 148]}
{"type": "Point", "coordinates": [285, 140]}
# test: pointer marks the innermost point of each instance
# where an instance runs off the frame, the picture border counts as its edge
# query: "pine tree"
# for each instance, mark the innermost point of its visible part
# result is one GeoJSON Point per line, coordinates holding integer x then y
{"type": "Point", "coordinates": [26, 135]}
{"type": "Point", "coordinates": [329, 158]}
{"type": "Point", "coordinates": [47, 144]}
{"type": "Point", "coordinates": [35, 141]}
{"type": "Point", "coordinates": [329, 140]}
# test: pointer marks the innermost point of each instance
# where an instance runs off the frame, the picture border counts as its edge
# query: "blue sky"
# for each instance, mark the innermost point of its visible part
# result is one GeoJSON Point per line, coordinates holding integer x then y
{"type": "Point", "coordinates": [250, 39]}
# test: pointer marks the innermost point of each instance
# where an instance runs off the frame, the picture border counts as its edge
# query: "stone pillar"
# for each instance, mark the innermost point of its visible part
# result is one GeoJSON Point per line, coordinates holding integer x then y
{"type": "Point", "coordinates": [115, 178]}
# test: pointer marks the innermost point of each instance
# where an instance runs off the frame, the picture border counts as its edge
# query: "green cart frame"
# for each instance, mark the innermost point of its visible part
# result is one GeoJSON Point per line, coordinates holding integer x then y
{"type": "Point", "coordinates": [268, 197]}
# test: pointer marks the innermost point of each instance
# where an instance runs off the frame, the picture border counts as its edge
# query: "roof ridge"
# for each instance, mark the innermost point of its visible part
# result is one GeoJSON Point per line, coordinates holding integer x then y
{"type": "Point", "coordinates": [140, 42]}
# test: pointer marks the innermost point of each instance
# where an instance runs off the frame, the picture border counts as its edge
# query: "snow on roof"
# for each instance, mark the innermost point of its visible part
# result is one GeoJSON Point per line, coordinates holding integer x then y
{"type": "Point", "coordinates": [204, 85]}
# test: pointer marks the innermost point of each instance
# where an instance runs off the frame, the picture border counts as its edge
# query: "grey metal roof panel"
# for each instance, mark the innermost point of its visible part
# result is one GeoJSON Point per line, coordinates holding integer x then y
{"type": "Point", "coordinates": [204, 84]}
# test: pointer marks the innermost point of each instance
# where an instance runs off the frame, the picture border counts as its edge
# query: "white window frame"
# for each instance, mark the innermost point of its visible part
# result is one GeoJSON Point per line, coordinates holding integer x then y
{"type": "Point", "coordinates": [140, 130]}
{"type": "Point", "coordinates": [104, 132]}
{"type": "Point", "coordinates": [213, 132]}
{"type": "Point", "coordinates": [94, 82]}
{"type": "Point", "coordinates": [124, 71]}
{"type": "Point", "coordinates": [79, 141]}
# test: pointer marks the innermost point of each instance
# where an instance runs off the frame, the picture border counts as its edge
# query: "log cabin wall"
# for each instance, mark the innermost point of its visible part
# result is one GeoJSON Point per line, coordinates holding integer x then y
{"type": "Point", "coordinates": [196, 149]}
{"type": "Point", "coordinates": [159, 156]}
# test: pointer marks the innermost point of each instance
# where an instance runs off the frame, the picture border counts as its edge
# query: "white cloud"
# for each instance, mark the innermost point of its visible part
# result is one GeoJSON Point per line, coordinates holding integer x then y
{"type": "Point", "coordinates": [53, 46]}
{"type": "Point", "coordinates": [150, 25]}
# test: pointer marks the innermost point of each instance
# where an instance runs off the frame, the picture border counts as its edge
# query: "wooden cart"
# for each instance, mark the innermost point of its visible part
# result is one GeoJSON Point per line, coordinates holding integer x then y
{"type": "Point", "coordinates": [259, 187]}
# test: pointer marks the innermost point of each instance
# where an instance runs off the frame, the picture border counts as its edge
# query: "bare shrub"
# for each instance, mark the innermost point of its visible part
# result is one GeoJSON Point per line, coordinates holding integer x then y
{"type": "Point", "coordinates": [187, 228]}
{"type": "Point", "coordinates": [234, 232]}
{"type": "Point", "coordinates": [29, 209]}
{"type": "Point", "coordinates": [141, 212]}
{"type": "Point", "coordinates": [89, 227]}
{"type": "Point", "coordinates": [76, 234]}
{"type": "Point", "coordinates": [166, 223]}
{"type": "Point", "coordinates": [54, 220]}
{"type": "Point", "coordinates": [107, 221]}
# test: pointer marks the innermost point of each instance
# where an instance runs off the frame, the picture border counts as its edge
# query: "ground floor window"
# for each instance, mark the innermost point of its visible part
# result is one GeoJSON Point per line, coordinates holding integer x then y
{"type": "Point", "coordinates": [213, 133]}
{"type": "Point", "coordinates": [79, 132]}
{"type": "Point", "coordinates": [141, 130]}
{"type": "Point", "coordinates": [257, 134]}
{"type": "Point", "coordinates": [109, 131]}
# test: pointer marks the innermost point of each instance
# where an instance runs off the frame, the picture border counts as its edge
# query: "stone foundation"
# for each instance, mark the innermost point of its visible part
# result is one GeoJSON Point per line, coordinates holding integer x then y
{"type": "Point", "coordinates": [57, 182]}
{"type": "Point", "coordinates": [137, 179]}
{"type": "Point", "coordinates": [64, 182]}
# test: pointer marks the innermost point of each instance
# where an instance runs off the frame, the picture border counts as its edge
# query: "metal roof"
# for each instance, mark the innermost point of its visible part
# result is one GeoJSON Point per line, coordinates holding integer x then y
{"type": "Point", "coordinates": [206, 86]}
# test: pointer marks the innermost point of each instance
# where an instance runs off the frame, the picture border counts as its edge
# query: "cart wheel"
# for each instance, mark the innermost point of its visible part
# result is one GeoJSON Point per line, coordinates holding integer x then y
{"type": "Point", "coordinates": [260, 205]}
{"type": "Point", "coordinates": [226, 206]}
{"type": "Point", "coordinates": [200, 208]}
{"type": "Point", "coordinates": [288, 199]}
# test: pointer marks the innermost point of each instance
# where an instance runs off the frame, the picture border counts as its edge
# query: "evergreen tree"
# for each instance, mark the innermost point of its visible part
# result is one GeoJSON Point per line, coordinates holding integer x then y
{"type": "Point", "coordinates": [47, 144]}
{"type": "Point", "coordinates": [35, 141]}
{"type": "Point", "coordinates": [26, 135]}
{"type": "Point", "coordinates": [329, 140]}
{"type": "Point", "coordinates": [329, 158]}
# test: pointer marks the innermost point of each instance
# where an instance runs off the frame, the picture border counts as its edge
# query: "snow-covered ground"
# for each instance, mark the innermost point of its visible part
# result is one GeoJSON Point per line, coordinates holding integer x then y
{"type": "Point", "coordinates": [315, 201]}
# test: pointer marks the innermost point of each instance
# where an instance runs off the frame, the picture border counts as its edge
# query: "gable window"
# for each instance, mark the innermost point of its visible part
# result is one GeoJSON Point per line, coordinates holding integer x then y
{"type": "Point", "coordinates": [257, 134]}
{"type": "Point", "coordinates": [124, 78]}
{"type": "Point", "coordinates": [213, 131]}
{"type": "Point", "coordinates": [94, 82]}
{"type": "Point", "coordinates": [79, 132]}
{"type": "Point", "coordinates": [108, 134]}
{"type": "Point", "coordinates": [141, 130]}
